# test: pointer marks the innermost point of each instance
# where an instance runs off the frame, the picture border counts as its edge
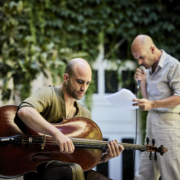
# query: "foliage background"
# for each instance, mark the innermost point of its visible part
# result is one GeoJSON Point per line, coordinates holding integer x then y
{"type": "Point", "coordinates": [40, 35]}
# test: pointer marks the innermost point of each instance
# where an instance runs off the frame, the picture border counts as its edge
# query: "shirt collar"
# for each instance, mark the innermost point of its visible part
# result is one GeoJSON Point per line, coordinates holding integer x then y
{"type": "Point", "coordinates": [75, 102]}
{"type": "Point", "coordinates": [161, 61]}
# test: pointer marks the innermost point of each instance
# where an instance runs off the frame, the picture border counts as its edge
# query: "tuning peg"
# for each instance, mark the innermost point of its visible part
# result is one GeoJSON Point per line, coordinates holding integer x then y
{"type": "Point", "coordinates": [150, 156]}
{"type": "Point", "coordinates": [162, 150]}
{"type": "Point", "coordinates": [155, 156]}
{"type": "Point", "coordinates": [153, 142]}
{"type": "Point", "coordinates": [147, 140]}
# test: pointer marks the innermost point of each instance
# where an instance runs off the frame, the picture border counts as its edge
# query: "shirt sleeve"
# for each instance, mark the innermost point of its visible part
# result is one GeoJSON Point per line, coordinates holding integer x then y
{"type": "Point", "coordinates": [174, 79]}
{"type": "Point", "coordinates": [41, 100]}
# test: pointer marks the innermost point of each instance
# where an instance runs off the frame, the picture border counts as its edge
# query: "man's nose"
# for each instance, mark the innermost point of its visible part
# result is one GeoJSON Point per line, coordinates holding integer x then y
{"type": "Point", "coordinates": [83, 87]}
{"type": "Point", "coordinates": [139, 61]}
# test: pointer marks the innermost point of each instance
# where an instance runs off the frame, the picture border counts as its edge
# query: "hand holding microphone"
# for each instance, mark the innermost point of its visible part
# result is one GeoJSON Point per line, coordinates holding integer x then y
{"type": "Point", "coordinates": [139, 76]}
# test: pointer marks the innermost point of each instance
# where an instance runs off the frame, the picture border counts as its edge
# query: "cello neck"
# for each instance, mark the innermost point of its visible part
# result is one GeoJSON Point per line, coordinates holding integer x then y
{"type": "Point", "coordinates": [78, 142]}
{"type": "Point", "coordinates": [98, 144]}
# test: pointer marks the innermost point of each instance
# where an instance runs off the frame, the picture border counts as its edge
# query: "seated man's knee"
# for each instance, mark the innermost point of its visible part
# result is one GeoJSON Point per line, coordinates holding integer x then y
{"type": "Point", "coordinates": [62, 170]}
{"type": "Point", "coordinates": [58, 173]}
{"type": "Point", "coordinates": [93, 175]}
{"type": "Point", "coordinates": [77, 167]}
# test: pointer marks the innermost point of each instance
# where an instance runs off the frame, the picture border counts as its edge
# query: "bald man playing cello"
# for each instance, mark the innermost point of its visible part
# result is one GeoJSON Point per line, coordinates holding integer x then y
{"type": "Point", "coordinates": [160, 88]}
{"type": "Point", "coordinates": [49, 105]}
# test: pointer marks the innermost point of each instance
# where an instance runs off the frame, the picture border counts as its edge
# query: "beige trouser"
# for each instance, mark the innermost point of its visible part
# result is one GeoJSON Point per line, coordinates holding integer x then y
{"type": "Point", "coordinates": [165, 129]}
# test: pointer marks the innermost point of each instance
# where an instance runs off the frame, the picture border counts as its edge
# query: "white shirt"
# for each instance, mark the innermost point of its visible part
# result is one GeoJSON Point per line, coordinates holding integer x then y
{"type": "Point", "coordinates": [165, 81]}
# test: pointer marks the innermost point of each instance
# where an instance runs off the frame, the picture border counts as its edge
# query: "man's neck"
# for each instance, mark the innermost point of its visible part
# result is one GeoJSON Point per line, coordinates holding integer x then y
{"type": "Point", "coordinates": [68, 99]}
{"type": "Point", "coordinates": [157, 59]}
{"type": "Point", "coordinates": [70, 105]}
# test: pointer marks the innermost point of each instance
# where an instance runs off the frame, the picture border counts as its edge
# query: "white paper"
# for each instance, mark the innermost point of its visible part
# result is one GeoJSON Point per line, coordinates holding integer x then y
{"type": "Point", "coordinates": [122, 99]}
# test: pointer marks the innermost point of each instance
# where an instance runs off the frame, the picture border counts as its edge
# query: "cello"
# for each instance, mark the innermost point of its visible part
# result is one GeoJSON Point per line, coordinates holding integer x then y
{"type": "Point", "coordinates": [23, 149]}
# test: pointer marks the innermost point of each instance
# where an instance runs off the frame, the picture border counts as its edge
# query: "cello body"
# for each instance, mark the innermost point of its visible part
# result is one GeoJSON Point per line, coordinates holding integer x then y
{"type": "Point", "coordinates": [18, 159]}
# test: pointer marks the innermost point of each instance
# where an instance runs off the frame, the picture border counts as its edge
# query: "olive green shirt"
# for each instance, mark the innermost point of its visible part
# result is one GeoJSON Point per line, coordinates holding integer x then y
{"type": "Point", "coordinates": [49, 102]}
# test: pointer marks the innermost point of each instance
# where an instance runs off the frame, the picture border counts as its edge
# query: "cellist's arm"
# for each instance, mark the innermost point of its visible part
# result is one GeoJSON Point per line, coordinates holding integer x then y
{"type": "Point", "coordinates": [113, 150]}
{"type": "Point", "coordinates": [36, 122]}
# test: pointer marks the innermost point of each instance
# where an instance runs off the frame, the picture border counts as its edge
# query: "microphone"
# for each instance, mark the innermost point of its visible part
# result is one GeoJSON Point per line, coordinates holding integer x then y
{"type": "Point", "coordinates": [139, 81]}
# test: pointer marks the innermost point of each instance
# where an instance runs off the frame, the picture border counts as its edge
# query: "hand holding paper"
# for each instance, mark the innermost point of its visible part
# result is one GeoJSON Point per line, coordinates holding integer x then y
{"type": "Point", "coordinates": [122, 99]}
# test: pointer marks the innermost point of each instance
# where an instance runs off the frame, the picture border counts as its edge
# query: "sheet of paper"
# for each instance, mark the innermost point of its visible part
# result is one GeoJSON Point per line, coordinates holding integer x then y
{"type": "Point", "coordinates": [122, 99]}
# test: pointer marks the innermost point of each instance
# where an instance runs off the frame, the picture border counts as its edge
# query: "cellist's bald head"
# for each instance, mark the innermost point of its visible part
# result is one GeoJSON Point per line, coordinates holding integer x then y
{"type": "Point", "coordinates": [75, 63]}
{"type": "Point", "coordinates": [76, 78]}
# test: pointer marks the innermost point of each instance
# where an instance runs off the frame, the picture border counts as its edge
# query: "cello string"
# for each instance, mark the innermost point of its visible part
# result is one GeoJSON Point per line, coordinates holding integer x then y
{"type": "Point", "coordinates": [38, 139]}
{"type": "Point", "coordinates": [78, 141]}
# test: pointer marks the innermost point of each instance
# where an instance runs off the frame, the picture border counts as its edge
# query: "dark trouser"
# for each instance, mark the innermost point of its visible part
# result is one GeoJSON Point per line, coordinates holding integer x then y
{"type": "Point", "coordinates": [64, 172]}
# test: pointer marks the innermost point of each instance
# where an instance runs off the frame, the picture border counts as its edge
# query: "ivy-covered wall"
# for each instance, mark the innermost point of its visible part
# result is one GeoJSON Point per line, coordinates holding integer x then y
{"type": "Point", "coordinates": [36, 35]}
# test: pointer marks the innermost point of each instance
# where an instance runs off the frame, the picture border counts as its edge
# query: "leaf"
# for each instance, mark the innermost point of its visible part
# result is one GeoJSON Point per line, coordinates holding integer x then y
{"type": "Point", "coordinates": [20, 6]}
{"type": "Point", "coordinates": [11, 40]}
{"type": "Point", "coordinates": [12, 7]}
{"type": "Point", "coordinates": [6, 93]}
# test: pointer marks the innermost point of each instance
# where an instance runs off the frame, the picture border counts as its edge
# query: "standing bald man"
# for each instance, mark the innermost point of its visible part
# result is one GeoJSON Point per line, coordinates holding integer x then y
{"type": "Point", "coordinates": [160, 88]}
{"type": "Point", "coordinates": [50, 105]}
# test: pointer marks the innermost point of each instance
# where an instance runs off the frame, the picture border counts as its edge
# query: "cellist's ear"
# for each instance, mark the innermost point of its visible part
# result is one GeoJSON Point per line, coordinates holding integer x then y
{"type": "Point", "coordinates": [65, 77]}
